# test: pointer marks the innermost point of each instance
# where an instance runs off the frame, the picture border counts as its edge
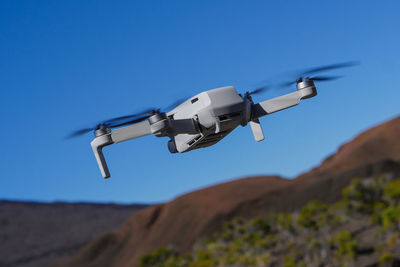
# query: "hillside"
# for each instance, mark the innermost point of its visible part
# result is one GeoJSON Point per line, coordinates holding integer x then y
{"type": "Point", "coordinates": [38, 234]}
{"type": "Point", "coordinates": [378, 143]}
{"type": "Point", "coordinates": [363, 229]}
{"type": "Point", "coordinates": [185, 220]}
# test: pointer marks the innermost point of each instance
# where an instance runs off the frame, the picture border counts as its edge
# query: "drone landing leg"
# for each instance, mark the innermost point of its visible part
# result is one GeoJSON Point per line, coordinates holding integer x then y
{"type": "Point", "coordinates": [97, 145]}
{"type": "Point", "coordinates": [257, 130]}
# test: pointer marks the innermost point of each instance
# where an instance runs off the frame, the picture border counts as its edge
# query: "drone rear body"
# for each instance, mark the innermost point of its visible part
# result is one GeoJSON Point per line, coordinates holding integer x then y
{"type": "Point", "coordinates": [215, 112]}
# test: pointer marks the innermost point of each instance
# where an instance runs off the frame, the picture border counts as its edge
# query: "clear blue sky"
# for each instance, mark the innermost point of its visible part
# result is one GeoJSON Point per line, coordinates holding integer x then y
{"type": "Point", "coordinates": [67, 64]}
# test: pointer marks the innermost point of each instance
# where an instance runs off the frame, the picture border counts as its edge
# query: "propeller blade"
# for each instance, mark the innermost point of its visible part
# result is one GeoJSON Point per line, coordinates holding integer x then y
{"type": "Point", "coordinates": [118, 120]}
{"type": "Point", "coordinates": [285, 84]}
{"type": "Point", "coordinates": [125, 120]}
{"type": "Point", "coordinates": [115, 122]}
{"type": "Point", "coordinates": [320, 69]}
{"type": "Point", "coordinates": [325, 78]}
{"type": "Point", "coordinates": [259, 90]}
{"type": "Point", "coordinates": [330, 67]}
{"type": "Point", "coordinates": [80, 132]}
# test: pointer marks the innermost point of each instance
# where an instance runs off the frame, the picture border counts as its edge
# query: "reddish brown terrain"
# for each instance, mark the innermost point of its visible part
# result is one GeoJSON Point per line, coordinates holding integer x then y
{"type": "Point", "coordinates": [186, 219]}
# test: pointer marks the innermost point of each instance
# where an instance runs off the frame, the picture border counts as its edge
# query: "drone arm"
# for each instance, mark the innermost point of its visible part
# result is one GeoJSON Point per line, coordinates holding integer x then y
{"type": "Point", "coordinates": [119, 135]}
{"type": "Point", "coordinates": [130, 132]}
{"type": "Point", "coordinates": [134, 131]}
{"type": "Point", "coordinates": [282, 102]}
{"type": "Point", "coordinates": [275, 104]}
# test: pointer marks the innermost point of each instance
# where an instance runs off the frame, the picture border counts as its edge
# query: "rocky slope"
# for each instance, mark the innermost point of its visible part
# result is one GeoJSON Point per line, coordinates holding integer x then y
{"type": "Point", "coordinates": [198, 214]}
{"type": "Point", "coordinates": [360, 230]}
{"type": "Point", "coordinates": [39, 234]}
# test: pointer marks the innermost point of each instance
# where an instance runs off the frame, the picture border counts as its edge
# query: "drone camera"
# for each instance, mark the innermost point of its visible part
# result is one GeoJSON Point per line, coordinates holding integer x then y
{"type": "Point", "coordinates": [172, 147]}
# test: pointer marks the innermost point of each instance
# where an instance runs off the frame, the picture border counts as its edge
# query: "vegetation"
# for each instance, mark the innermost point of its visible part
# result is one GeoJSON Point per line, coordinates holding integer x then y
{"type": "Point", "coordinates": [365, 222]}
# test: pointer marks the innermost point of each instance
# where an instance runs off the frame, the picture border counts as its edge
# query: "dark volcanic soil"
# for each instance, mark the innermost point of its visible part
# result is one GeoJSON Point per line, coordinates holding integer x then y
{"type": "Point", "coordinates": [38, 234]}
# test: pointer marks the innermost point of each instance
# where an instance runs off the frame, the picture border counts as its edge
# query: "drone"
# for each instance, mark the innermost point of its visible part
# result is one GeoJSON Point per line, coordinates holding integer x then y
{"type": "Point", "coordinates": [204, 119]}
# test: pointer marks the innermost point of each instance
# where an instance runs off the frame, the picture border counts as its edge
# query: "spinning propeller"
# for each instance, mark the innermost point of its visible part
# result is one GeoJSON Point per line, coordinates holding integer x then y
{"type": "Point", "coordinates": [145, 114]}
{"type": "Point", "coordinates": [124, 120]}
{"type": "Point", "coordinates": [257, 91]}
{"type": "Point", "coordinates": [305, 75]}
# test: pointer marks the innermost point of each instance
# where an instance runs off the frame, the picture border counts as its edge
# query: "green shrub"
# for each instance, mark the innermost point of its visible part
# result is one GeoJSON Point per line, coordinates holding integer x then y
{"type": "Point", "coordinates": [361, 196]}
{"type": "Point", "coordinates": [376, 216]}
{"type": "Point", "coordinates": [263, 259]}
{"type": "Point", "coordinates": [237, 221]}
{"type": "Point", "coordinates": [313, 215]}
{"type": "Point", "coordinates": [315, 245]}
{"type": "Point", "coordinates": [392, 192]}
{"type": "Point", "coordinates": [391, 217]}
{"type": "Point", "coordinates": [157, 258]}
{"type": "Point", "coordinates": [251, 238]}
{"type": "Point", "coordinates": [229, 225]}
{"type": "Point", "coordinates": [241, 229]}
{"type": "Point", "coordinates": [385, 258]}
{"type": "Point", "coordinates": [344, 244]}
{"type": "Point", "coordinates": [261, 224]}
{"type": "Point", "coordinates": [226, 236]}
{"type": "Point", "coordinates": [270, 240]}
{"type": "Point", "coordinates": [285, 221]}
{"type": "Point", "coordinates": [203, 263]}
{"type": "Point", "coordinates": [245, 260]}
{"type": "Point", "coordinates": [289, 261]}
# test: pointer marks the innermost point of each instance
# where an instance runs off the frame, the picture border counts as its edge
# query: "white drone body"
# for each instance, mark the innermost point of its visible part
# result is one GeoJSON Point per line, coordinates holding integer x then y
{"type": "Point", "coordinates": [202, 120]}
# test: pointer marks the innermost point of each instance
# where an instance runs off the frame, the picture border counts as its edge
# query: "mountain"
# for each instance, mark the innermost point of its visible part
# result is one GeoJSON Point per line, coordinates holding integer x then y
{"type": "Point", "coordinates": [362, 229]}
{"type": "Point", "coordinates": [378, 143]}
{"type": "Point", "coordinates": [196, 215]}
{"type": "Point", "coordinates": [39, 234]}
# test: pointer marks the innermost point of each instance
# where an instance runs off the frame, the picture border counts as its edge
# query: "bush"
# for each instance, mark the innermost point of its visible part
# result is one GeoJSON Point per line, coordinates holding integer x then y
{"type": "Point", "coordinates": [344, 244]}
{"type": "Point", "coordinates": [158, 258]}
{"type": "Point", "coordinates": [226, 236]}
{"type": "Point", "coordinates": [263, 259]}
{"type": "Point", "coordinates": [313, 216]}
{"type": "Point", "coordinates": [289, 261]}
{"type": "Point", "coordinates": [261, 224]}
{"type": "Point", "coordinates": [385, 258]}
{"type": "Point", "coordinates": [391, 217]}
{"type": "Point", "coordinates": [285, 221]}
{"type": "Point", "coordinates": [361, 196]}
{"type": "Point", "coordinates": [376, 216]}
{"type": "Point", "coordinates": [392, 192]}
